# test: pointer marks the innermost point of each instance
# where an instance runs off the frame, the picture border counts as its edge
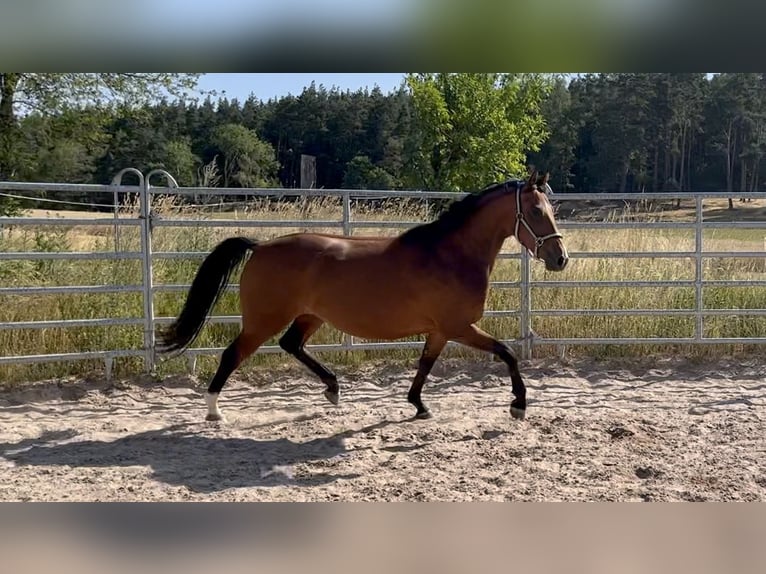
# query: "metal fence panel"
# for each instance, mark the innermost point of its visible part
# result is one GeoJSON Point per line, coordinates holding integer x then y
{"type": "Point", "coordinates": [147, 221]}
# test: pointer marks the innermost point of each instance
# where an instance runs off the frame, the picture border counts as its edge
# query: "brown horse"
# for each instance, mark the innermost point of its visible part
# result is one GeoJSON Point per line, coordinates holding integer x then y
{"type": "Point", "coordinates": [432, 279]}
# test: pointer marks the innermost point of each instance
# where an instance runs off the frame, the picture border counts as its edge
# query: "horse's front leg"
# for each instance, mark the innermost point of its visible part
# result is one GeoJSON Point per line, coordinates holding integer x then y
{"type": "Point", "coordinates": [475, 338]}
{"type": "Point", "coordinates": [435, 343]}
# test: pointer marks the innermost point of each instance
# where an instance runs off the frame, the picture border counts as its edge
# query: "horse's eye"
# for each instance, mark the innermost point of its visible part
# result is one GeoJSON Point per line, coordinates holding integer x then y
{"type": "Point", "coordinates": [537, 212]}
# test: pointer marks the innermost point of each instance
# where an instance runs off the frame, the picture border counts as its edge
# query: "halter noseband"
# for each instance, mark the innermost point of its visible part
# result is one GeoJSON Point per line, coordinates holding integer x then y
{"type": "Point", "coordinates": [521, 219]}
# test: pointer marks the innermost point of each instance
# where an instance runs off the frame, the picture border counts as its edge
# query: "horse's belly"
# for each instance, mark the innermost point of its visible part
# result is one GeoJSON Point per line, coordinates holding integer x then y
{"type": "Point", "coordinates": [371, 318]}
{"type": "Point", "coordinates": [380, 330]}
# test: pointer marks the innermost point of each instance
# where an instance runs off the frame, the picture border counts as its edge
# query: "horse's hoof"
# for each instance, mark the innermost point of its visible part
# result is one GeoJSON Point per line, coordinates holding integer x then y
{"type": "Point", "coordinates": [214, 417]}
{"type": "Point", "coordinates": [423, 415]}
{"type": "Point", "coordinates": [518, 413]}
{"type": "Point", "coordinates": [333, 397]}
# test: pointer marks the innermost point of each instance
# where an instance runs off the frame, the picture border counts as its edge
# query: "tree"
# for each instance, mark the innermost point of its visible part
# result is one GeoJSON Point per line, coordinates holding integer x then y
{"type": "Point", "coordinates": [558, 153]}
{"type": "Point", "coordinates": [247, 160]}
{"type": "Point", "coordinates": [619, 133]}
{"type": "Point", "coordinates": [61, 148]}
{"type": "Point", "coordinates": [733, 122]}
{"type": "Point", "coordinates": [361, 173]}
{"type": "Point", "coordinates": [476, 128]}
{"type": "Point", "coordinates": [22, 93]}
{"type": "Point", "coordinates": [133, 142]}
{"type": "Point", "coordinates": [686, 94]}
{"type": "Point", "coordinates": [180, 161]}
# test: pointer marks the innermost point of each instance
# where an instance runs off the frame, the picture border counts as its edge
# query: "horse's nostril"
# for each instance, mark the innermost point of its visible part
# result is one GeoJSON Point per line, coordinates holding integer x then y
{"type": "Point", "coordinates": [563, 262]}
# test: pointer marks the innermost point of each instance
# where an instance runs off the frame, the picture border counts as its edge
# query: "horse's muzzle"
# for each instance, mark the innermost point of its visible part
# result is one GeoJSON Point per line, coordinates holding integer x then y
{"type": "Point", "coordinates": [557, 264]}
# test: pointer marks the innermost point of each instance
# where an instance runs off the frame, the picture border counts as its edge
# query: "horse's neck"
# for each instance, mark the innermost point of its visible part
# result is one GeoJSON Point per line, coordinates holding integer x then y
{"type": "Point", "coordinates": [480, 239]}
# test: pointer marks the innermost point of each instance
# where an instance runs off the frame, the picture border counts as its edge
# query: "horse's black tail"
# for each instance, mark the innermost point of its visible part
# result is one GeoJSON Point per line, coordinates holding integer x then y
{"type": "Point", "coordinates": [207, 287]}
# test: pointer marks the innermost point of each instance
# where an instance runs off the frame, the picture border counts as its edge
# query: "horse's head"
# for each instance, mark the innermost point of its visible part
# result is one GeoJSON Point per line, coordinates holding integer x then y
{"type": "Point", "coordinates": [536, 227]}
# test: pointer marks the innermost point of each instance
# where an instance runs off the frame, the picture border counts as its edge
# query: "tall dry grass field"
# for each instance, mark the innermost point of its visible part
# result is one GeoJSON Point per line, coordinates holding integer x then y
{"type": "Point", "coordinates": [169, 271]}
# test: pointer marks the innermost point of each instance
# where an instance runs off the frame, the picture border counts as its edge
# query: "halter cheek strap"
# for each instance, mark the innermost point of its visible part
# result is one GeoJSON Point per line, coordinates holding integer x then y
{"type": "Point", "coordinates": [522, 220]}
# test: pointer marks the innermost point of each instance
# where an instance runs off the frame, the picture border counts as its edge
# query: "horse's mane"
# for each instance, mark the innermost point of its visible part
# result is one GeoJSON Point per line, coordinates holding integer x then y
{"type": "Point", "coordinates": [452, 218]}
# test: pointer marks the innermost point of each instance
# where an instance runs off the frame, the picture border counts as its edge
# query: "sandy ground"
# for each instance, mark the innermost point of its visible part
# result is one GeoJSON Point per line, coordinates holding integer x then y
{"type": "Point", "coordinates": [660, 430]}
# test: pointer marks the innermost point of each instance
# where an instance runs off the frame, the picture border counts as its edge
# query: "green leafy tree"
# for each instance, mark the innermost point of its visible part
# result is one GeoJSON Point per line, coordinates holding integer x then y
{"type": "Point", "coordinates": [134, 142]}
{"type": "Point", "coordinates": [361, 173]}
{"type": "Point", "coordinates": [247, 160]}
{"type": "Point", "coordinates": [476, 128]}
{"type": "Point", "coordinates": [46, 94]}
{"type": "Point", "coordinates": [180, 161]}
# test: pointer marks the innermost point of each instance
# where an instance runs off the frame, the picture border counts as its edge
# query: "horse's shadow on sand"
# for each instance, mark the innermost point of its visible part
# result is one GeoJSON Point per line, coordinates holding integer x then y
{"type": "Point", "coordinates": [182, 455]}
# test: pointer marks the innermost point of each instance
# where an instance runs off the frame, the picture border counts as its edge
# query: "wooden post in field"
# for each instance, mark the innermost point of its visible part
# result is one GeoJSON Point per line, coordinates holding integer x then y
{"type": "Point", "coordinates": [308, 171]}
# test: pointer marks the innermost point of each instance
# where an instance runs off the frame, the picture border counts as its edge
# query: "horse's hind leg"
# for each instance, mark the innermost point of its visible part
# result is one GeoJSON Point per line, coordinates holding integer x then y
{"type": "Point", "coordinates": [246, 343]}
{"type": "Point", "coordinates": [293, 342]}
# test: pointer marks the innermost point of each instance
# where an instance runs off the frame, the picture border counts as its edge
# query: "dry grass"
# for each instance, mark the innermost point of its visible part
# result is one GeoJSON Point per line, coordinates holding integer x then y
{"type": "Point", "coordinates": [191, 238]}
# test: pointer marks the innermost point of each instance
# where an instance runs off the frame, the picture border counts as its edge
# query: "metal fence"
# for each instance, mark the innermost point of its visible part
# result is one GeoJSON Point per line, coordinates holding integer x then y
{"type": "Point", "coordinates": [147, 221]}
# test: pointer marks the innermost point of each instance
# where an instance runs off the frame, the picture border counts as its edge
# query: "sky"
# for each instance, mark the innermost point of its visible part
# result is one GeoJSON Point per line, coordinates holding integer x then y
{"type": "Point", "coordinates": [266, 86]}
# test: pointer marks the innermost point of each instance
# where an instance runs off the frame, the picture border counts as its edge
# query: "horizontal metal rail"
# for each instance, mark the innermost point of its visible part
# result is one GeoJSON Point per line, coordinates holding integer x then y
{"type": "Point", "coordinates": [70, 323]}
{"type": "Point", "coordinates": [648, 196]}
{"type": "Point", "coordinates": [425, 194]}
{"type": "Point", "coordinates": [67, 357]}
{"type": "Point", "coordinates": [549, 313]}
{"type": "Point", "coordinates": [233, 287]}
{"type": "Point", "coordinates": [662, 254]}
{"type": "Point", "coordinates": [67, 221]}
{"type": "Point", "coordinates": [660, 225]}
{"type": "Point", "coordinates": [602, 341]}
{"type": "Point", "coordinates": [292, 192]}
{"type": "Point", "coordinates": [70, 255]}
{"type": "Point", "coordinates": [67, 187]}
{"type": "Point", "coordinates": [71, 290]}
{"type": "Point", "coordinates": [236, 319]}
{"type": "Point", "coordinates": [203, 254]}
{"type": "Point", "coordinates": [659, 283]}
{"type": "Point", "coordinates": [646, 312]}
{"type": "Point", "coordinates": [244, 223]}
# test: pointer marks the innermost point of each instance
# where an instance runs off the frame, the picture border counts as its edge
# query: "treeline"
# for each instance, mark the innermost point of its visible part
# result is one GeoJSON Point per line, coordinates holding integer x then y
{"type": "Point", "coordinates": [598, 132]}
{"type": "Point", "coordinates": [358, 138]}
{"type": "Point", "coordinates": [657, 132]}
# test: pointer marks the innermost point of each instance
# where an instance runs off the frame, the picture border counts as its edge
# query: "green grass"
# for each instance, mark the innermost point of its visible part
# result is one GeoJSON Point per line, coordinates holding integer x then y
{"type": "Point", "coordinates": [50, 307]}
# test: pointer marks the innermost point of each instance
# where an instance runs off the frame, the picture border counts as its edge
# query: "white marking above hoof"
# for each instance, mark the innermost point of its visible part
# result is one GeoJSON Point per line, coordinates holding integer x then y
{"type": "Point", "coordinates": [213, 412]}
{"type": "Point", "coordinates": [518, 414]}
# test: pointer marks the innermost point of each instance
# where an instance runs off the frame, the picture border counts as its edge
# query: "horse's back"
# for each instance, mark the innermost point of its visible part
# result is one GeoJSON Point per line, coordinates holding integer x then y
{"type": "Point", "coordinates": [314, 258]}
{"type": "Point", "coordinates": [311, 247]}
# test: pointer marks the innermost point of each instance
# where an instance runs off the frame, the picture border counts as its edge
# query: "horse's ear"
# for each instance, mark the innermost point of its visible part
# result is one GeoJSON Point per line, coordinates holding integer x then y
{"type": "Point", "coordinates": [546, 177]}
{"type": "Point", "coordinates": [532, 181]}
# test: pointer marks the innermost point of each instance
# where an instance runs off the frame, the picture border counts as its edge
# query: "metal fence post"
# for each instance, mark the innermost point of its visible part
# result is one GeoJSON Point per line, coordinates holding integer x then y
{"type": "Point", "coordinates": [525, 315]}
{"type": "Point", "coordinates": [146, 267]}
{"type": "Point", "coordinates": [347, 214]}
{"type": "Point", "coordinates": [698, 302]}
{"type": "Point", "coordinates": [117, 180]}
{"type": "Point", "coordinates": [348, 340]}
{"type": "Point", "coordinates": [146, 217]}
{"type": "Point", "coordinates": [116, 201]}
